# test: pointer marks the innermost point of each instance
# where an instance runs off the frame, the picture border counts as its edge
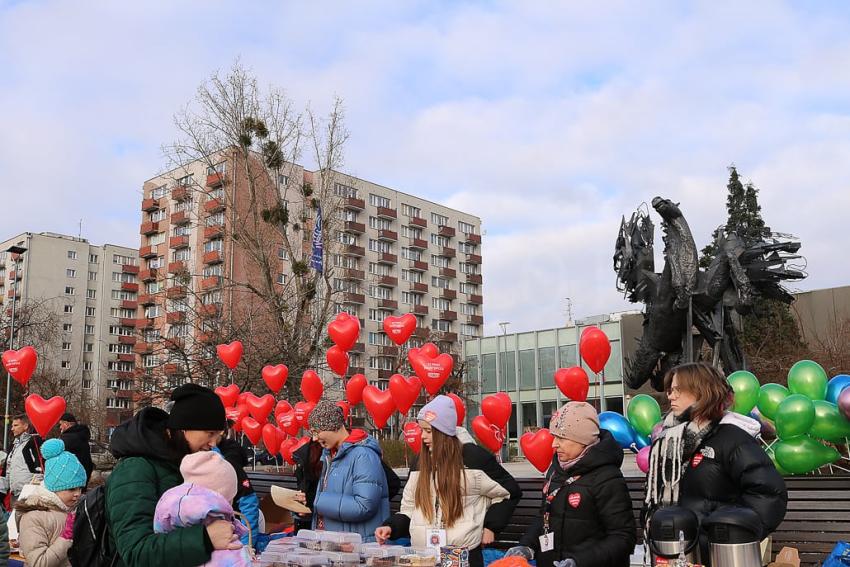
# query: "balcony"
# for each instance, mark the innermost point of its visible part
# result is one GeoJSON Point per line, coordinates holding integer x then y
{"type": "Point", "coordinates": [176, 292]}
{"type": "Point", "coordinates": [12, 294]}
{"type": "Point", "coordinates": [388, 350]}
{"type": "Point", "coordinates": [214, 205]}
{"type": "Point", "coordinates": [387, 258]}
{"type": "Point", "coordinates": [449, 294]}
{"type": "Point", "coordinates": [215, 179]}
{"type": "Point", "coordinates": [149, 228]}
{"type": "Point", "coordinates": [422, 332]}
{"type": "Point", "coordinates": [419, 287]}
{"type": "Point", "coordinates": [14, 275]}
{"type": "Point", "coordinates": [475, 299]}
{"type": "Point", "coordinates": [148, 275]}
{"type": "Point", "coordinates": [144, 323]}
{"type": "Point", "coordinates": [148, 251]}
{"type": "Point", "coordinates": [449, 252]}
{"type": "Point", "coordinates": [127, 286]}
{"type": "Point", "coordinates": [127, 340]}
{"type": "Point", "coordinates": [352, 274]}
{"type": "Point", "coordinates": [420, 309]}
{"type": "Point", "coordinates": [127, 322]}
{"type": "Point", "coordinates": [349, 297]}
{"type": "Point", "coordinates": [418, 266]}
{"type": "Point", "coordinates": [388, 303]}
{"type": "Point", "coordinates": [129, 304]}
{"type": "Point", "coordinates": [172, 369]}
{"type": "Point", "coordinates": [417, 244]}
{"type": "Point", "coordinates": [416, 221]}
{"type": "Point", "coordinates": [178, 242]}
{"type": "Point", "coordinates": [354, 203]}
{"type": "Point", "coordinates": [448, 315]}
{"type": "Point", "coordinates": [474, 279]}
{"type": "Point", "coordinates": [147, 299]}
{"type": "Point", "coordinates": [130, 269]}
{"type": "Point", "coordinates": [213, 257]}
{"type": "Point", "coordinates": [358, 347]}
{"type": "Point", "coordinates": [174, 317]}
{"type": "Point", "coordinates": [473, 258]}
{"type": "Point", "coordinates": [180, 217]}
{"type": "Point", "coordinates": [446, 231]}
{"type": "Point", "coordinates": [176, 267]}
{"type": "Point", "coordinates": [210, 282]}
{"type": "Point", "coordinates": [174, 343]}
{"type": "Point", "coordinates": [448, 272]}
{"type": "Point", "coordinates": [475, 319]}
{"type": "Point", "coordinates": [388, 281]}
{"type": "Point", "coordinates": [180, 193]}
{"type": "Point", "coordinates": [384, 374]}
{"type": "Point", "coordinates": [356, 370]}
{"type": "Point", "coordinates": [473, 238]}
{"type": "Point", "coordinates": [210, 310]}
{"type": "Point", "coordinates": [356, 227]}
{"type": "Point", "coordinates": [206, 337]}
{"type": "Point", "coordinates": [150, 205]}
{"type": "Point", "coordinates": [211, 232]}
{"type": "Point", "coordinates": [354, 250]}
{"type": "Point", "coordinates": [387, 213]}
{"type": "Point", "coordinates": [450, 337]}
{"type": "Point", "coordinates": [388, 235]}
{"type": "Point", "coordinates": [127, 357]}
{"type": "Point", "coordinates": [143, 348]}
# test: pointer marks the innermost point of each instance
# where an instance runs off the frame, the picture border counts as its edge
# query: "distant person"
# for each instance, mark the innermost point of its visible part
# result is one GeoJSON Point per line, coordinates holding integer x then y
{"type": "Point", "coordinates": [24, 460]}
{"type": "Point", "coordinates": [76, 437]}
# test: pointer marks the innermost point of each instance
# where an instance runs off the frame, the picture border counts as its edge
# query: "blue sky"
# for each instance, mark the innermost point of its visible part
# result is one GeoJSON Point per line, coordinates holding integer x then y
{"type": "Point", "coordinates": [548, 120]}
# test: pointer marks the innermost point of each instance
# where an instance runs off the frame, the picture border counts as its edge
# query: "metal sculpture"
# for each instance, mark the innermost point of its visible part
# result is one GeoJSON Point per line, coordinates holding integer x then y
{"type": "Point", "coordinates": [683, 297]}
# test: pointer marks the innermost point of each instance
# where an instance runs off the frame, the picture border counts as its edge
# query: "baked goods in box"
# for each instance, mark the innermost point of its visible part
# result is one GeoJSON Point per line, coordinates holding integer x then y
{"type": "Point", "coordinates": [340, 542]}
{"type": "Point", "coordinates": [337, 559]}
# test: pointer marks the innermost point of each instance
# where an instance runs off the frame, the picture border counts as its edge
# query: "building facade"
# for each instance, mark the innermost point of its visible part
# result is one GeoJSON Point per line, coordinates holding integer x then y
{"type": "Point", "coordinates": [76, 303]}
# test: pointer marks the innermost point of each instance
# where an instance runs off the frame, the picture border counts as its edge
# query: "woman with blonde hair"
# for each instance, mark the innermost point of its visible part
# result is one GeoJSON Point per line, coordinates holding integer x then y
{"type": "Point", "coordinates": [457, 494]}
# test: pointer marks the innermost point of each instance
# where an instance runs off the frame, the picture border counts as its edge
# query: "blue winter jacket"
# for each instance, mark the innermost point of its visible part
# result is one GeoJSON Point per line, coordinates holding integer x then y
{"type": "Point", "coordinates": [352, 495]}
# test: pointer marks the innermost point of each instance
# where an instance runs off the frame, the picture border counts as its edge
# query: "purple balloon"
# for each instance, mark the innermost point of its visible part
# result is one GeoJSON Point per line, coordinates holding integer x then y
{"type": "Point", "coordinates": [844, 402]}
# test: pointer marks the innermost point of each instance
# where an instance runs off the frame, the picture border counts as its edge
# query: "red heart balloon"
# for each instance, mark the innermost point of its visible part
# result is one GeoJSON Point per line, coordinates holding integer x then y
{"type": "Point", "coordinates": [272, 438]}
{"type": "Point", "coordinates": [289, 422]}
{"type": "Point", "coordinates": [413, 436]}
{"type": "Point", "coordinates": [337, 360]}
{"type": "Point", "coordinates": [595, 348]}
{"type": "Point", "coordinates": [275, 376]}
{"type": "Point", "coordinates": [252, 428]}
{"type": "Point", "coordinates": [235, 414]}
{"type": "Point", "coordinates": [537, 448]}
{"type": "Point", "coordinates": [44, 414]}
{"type": "Point", "coordinates": [20, 364]}
{"type": "Point", "coordinates": [497, 408]}
{"type": "Point", "coordinates": [281, 407]}
{"type": "Point", "coordinates": [354, 389]}
{"type": "Point", "coordinates": [432, 370]}
{"type": "Point", "coordinates": [489, 434]}
{"type": "Point", "coordinates": [344, 331]}
{"type": "Point", "coordinates": [346, 409]}
{"type": "Point", "coordinates": [242, 397]}
{"type": "Point", "coordinates": [290, 446]}
{"type": "Point", "coordinates": [430, 350]}
{"type": "Point", "coordinates": [260, 408]}
{"type": "Point", "coordinates": [460, 407]}
{"type": "Point", "coordinates": [311, 386]}
{"type": "Point", "coordinates": [379, 404]}
{"type": "Point", "coordinates": [230, 354]}
{"type": "Point", "coordinates": [399, 329]}
{"type": "Point", "coordinates": [573, 383]}
{"type": "Point", "coordinates": [228, 394]}
{"type": "Point", "coordinates": [405, 392]}
{"type": "Point", "coordinates": [302, 413]}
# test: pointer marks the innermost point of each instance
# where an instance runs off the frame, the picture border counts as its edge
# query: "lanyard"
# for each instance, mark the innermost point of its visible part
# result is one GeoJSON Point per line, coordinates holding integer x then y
{"type": "Point", "coordinates": [437, 514]}
{"type": "Point", "coordinates": [548, 498]}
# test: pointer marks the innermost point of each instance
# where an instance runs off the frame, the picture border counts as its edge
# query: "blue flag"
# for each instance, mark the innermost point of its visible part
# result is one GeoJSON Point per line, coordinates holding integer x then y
{"type": "Point", "coordinates": [316, 258]}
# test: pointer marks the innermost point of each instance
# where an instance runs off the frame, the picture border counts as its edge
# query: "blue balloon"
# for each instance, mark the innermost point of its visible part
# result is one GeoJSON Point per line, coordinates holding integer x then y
{"type": "Point", "coordinates": [623, 431]}
{"type": "Point", "coordinates": [642, 441]}
{"type": "Point", "coordinates": [836, 386]}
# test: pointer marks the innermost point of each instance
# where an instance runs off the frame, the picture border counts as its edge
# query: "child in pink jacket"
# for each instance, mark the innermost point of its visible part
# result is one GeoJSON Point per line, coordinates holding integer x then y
{"type": "Point", "coordinates": [205, 496]}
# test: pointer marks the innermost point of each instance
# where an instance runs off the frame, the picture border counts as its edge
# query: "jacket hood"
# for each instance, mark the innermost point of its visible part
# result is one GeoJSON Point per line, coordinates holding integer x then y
{"type": "Point", "coordinates": [41, 499]}
{"type": "Point", "coordinates": [79, 430]}
{"type": "Point", "coordinates": [606, 452]}
{"type": "Point", "coordinates": [141, 436]}
{"type": "Point", "coordinates": [463, 436]}
{"type": "Point", "coordinates": [748, 424]}
{"type": "Point", "coordinates": [359, 438]}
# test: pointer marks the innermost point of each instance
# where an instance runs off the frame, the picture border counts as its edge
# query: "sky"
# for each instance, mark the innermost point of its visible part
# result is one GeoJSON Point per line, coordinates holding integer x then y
{"type": "Point", "coordinates": [548, 120]}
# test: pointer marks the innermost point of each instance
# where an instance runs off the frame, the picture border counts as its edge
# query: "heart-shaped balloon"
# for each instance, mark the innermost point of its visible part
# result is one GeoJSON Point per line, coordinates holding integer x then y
{"type": "Point", "coordinates": [280, 408]}
{"type": "Point", "coordinates": [337, 360]}
{"type": "Point", "coordinates": [399, 329]}
{"type": "Point", "coordinates": [432, 370]}
{"type": "Point", "coordinates": [573, 383]}
{"type": "Point", "coordinates": [20, 364]}
{"type": "Point", "coordinates": [460, 407]}
{"type": "Point", "coordinates": [272, 438]}
{"type": "Point", "coordinates": [302, 413]}
{"type": "Point", "coordinates": [346, 409]}
{"type": "Point", "coordinates": [44, 414]}
{"type": "Point", "coordinates": [405, 392]}
{"type": "Point", "coordinates": [311, 386]}
{"type": "Point", "coordinates": [379, 404]}
{"type": "Point", "coordinates": [260, 408]}
{"type": "Point", "coordinates": [497, 408]}
{"type": "Point", "coordinates": [595, 348]}
{"type": "Point", "coordinates": [235, 414]}
{"type": "Point", "coordinates": [289, 422]}
{"type": "Point", "coordinates": [354, 389]}
{"type": "Point", "coordinates": [230, 354]}
{"type": "Point", "coordinates": [490, 435]}
{"type": "Point", "coordinates": [537, 447]}
{"type": "Point", "coordinates": [228, 394]}
{"type": "Point", "coordinates": [344, 331]}
{"type": "Point", "coordinates": [275, 376]}
{"type": "Point", "coordinates": [253, 429]}
{"type": "Point", "coordinates": [242, 397]}
{"type": "Point", "coordinates": [413, 436]}
{"type": "Point", "coordinates": [286, 450]}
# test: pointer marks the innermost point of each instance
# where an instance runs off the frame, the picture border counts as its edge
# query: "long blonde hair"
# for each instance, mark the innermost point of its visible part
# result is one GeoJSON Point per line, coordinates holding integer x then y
{"type": "Point", "coordinates": [444, 464]}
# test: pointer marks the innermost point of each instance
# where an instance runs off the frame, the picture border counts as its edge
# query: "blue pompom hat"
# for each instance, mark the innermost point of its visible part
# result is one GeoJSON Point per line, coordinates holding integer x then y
{"type": "Point", "coordinates": [62, 470]}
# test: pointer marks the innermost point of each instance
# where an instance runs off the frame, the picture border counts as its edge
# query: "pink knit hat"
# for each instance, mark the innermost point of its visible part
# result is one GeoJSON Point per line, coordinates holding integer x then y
{"type": "Point", "coordinates": [210, 470]}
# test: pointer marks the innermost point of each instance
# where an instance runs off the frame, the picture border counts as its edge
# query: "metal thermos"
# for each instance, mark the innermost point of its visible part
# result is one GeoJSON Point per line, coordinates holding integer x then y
{"type": "Point", "coordinates": [673, 535]}
{"type": "Point", "coordinates": [734, 537]}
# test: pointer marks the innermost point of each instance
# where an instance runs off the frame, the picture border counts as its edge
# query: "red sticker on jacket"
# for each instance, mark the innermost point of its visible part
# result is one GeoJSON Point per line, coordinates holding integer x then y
{"type": "Point", "coordinates": [574, 499]}
{"type": "Point", "coordinates": [697, 460]}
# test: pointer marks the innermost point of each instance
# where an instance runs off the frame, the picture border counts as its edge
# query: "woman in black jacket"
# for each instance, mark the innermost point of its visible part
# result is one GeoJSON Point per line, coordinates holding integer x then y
{"type": "Point", "coordinates": [586, 515]}
{"type": "Point", "coordinates": [706, 458]}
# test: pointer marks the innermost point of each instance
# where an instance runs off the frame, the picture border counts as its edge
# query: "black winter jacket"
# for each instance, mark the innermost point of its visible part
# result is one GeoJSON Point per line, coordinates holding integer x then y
{"type": "Point", "coordinates": [591, 517]}
{"type": "Point", "coordinates": [76, 439]}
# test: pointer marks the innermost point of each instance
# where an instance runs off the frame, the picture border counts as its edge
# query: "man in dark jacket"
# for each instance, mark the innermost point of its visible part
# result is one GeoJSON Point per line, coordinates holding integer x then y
{"type": "Point", "coordinates": [586, 510]}
{"type": "Point", "coordinates": [76, 438]}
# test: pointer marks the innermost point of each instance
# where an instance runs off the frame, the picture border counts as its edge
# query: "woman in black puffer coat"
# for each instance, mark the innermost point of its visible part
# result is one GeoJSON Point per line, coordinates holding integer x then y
{"type": "Point", "coordinates": [720, 461]}
{"type": "Point", "coordinates": [590, 516]}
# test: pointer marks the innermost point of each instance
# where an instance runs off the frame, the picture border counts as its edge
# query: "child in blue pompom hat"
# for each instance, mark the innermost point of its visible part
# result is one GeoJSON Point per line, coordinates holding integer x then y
{"type": "Point", "coordinates": [46, 516]}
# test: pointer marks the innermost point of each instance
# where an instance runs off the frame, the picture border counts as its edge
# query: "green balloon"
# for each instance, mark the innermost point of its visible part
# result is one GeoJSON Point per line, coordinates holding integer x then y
{"type": "Point", "coordinates": [770, 396]}
{"type": "Point", "coordinates": [746, 388]}
{"type": "Point", "coordinates": [829, 424]}
{"type": "Point", "coordinates": [644, 412]}
{"type": "Point", "coordinates": [808, 378]}
{"type": "Point", "coordinates": [795, 416]}
{"type": "Point", "coordinates": [803, 454]}
{"type": "Point", "coordinates": [771, 452]}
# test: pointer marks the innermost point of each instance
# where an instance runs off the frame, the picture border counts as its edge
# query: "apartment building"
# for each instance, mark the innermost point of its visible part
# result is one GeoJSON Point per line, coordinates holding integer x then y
{"type": "Point", "coordinates": [90, 293]}
{"type": "Point", "coordinates": [392, 253]}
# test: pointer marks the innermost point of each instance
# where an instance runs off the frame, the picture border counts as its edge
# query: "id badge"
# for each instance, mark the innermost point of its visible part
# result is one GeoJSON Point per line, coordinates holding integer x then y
{"type": "Point", "coordinates": [435, 538]}
{"type": "Point", "coordinates": [547, 542]}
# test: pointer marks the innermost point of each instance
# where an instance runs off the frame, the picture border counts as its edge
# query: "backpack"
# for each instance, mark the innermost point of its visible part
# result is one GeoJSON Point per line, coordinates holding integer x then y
{"type": "Point", "coordinates": [91, 532]}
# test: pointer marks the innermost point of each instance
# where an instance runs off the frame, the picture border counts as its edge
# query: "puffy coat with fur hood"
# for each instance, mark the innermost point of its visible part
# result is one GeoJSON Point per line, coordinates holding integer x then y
{"type": "Point", "coordinates": [41, 518]}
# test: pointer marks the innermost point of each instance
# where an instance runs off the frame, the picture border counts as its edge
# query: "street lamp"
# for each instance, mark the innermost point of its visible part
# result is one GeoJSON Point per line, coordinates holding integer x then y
{"type": "Point", "coordinates": [17, 251]}
{"type": "Point", "coordinates": [504, 325]}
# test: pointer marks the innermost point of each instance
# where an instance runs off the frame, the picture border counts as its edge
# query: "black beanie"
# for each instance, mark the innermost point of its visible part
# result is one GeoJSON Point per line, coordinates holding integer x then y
{"type": "Point", "coordinates": [196, 408]}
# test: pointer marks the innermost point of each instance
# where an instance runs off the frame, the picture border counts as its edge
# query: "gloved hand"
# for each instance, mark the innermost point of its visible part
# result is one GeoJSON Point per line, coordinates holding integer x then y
{"type": "Point", "coordinates": [565, 563]}
{"type": "Point", "coordinates": [68, 530]}
{"type": "Point", "coordinates": [520, 551]}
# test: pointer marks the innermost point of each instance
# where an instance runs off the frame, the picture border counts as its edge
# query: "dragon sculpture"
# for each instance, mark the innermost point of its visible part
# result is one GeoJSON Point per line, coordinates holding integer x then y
{"type": "Point", "coordinates": [744, 268]}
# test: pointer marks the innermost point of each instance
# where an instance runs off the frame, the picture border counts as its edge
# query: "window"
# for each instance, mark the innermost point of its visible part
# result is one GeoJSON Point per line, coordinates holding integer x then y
{"type": "Point", "coordinates": [380, 292]}
{"type": "Point", "coordinates": [442, 283]}
{"type": "Point", "coordinates": [468, 309]}
{"type": "Point", "coordinates": [211, 297]}
{"type": "Point", "coordinates": [379, 224]}
{"type": "Point", "coordinates": [214, 245]}
{"type": "Point", "coordinates": [87, 365]}
{"type": "Point", "coordinates": [89, 347]}
{"type": "Point", "coordinates": [411, 254]}
{"type": "Point", "coordinates": [341, 190]}
{"type": "Point", "coordinates": [69, 290]}
{"type": "Point", "coordinates": [123, 260]}
{"type": "Point", "coordinates": [122, 313]}
{"type": "Point", "coordinates": [442, 326]}
{"type": "Point", "coordinates": [92, 258]}
{"type": "Point", "coordinates": [157, 215]}
{"type": "Point", "coordinates": [70, 273]}
{"type": "Point", "coordinates": [466, 247]}
{"type": "Point", "coordinates": [214, 270]}
{"type": "Point", "coordinates": [66, 364]}
{"type": "Point", "coordinates": [150, 361]}
{"type": "Point", "coordinates": [341, 261]}
{"type": "Point", "coordinates": [67, 327]}
{"type": "Point", "coordinates": [152, 311]}
{"type": "Point", "coordinates": [121, 349]}
{"type": "Point", "coordinates": [177, 331]}
{"type": "Point", "coordinates": [349, 286]}
{"type": "Point", "coordinates": [469, 330]}
{"type": "Point", "coordinates": [153, 287]}
{"type": "Point", "coordinates": [156, 263]}
{"type": "Point", "coordinates": [120, 366]}
{"type": "Point", "coordinates": [87, 383]}
{"type": "Point", "coordinates": [282, 180]}
{"type": "Point", "coordinates": [121, 295]}
{"type": "Point", "coordinates": [439, 261]}
{"type": "Point", "coordinates": [379, 269]}
{"type": "Point", "coordinates": [181, 230]}
{"type": "Point", "coordinates": [183, 255]}
{"type": "Point", "coordinates": [380, 246]}
{"type": "Point", "coordinates": [281, 279]}
{"type": "Point", "coordinates": [216, 194]}
{"type": "Point", "coordinates": [378, 201]}
{"type": "Point", "coordinates": [380, 363]}
{"type": "Point", "coordinates": [346, 238]}
{"type": "Point", "coordinates": [117, 403]}
{"type": "Point", "coordinates": [378, 314]}
{"type": "Point", "coordinates": [468, 288]}
{"type": "Point", "coordinates": [120, 331]}
{"type": "Point", "coordinates": [152, 335]}
{"type": "Point", "coordinates": [467, 268]}
{"type": "Point", "coordinates": [282, 253]}
{"type": "Point", "coordinates": [123, 278]}
{"type": "Point", "coordinates": [465, 227]}
{"type": "Point", "coordinates": [92, 276]}
{"type": "Point", "coordinates": [411, 232]}
{"type": "Point", "coordinates": [220, 167]}
{"type": "Point", "coordinates": [440, 304]}
{"type": "Point", "coordinates": [89, 329]}
{"type": "Point", "coordinates": [439, 220]}
{"type": "Point", "coordinates": [90, 311]}
{"type": "Point", "coordinates": [216, 219]}
{"type": "Point", "coordinates": [183, 206]}
{"type": "Point", "coordinates": [184, 181]}
{"type": "Point", "coordinates": [411, 276]}
{"type": "Point", "coordinates": [72, 254]}
{"type": "Point", "coordinates": [439, 240]}
{"type": "Point", "coordinates": [69, 309]}
{"type": "Point", "coordinates": [155, 239]}
{"type": "Point", "coordinates": [410, 211]}
{"type": "Point", "coordinates": [349, 215]}
{"type": "Point", "coordinates": [379, 339]}
{"type": "Point", "coordinates": [159, 192]}
{"type": "Point", "coordinates": [409, 298]}
{"type": "Point", "coordinates": [66, 346]}
{"type": "Point", "coordinates": [91, 294]}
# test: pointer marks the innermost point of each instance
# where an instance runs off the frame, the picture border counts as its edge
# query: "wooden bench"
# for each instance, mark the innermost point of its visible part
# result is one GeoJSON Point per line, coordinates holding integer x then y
{"type": "Point", "coordinates": [818, 511]}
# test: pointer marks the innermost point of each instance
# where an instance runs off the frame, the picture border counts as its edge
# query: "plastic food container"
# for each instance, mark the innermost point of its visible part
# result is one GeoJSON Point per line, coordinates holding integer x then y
{"type": "Point", "coordinates": [337, 559]}
{"type": "Point", "coordinates": [376, 555]}
{"type": "Point", "coordinates": [301, 559]}
{"type": "Point", "coordinates": [416, 557]}
{"type": "Point", "coordinates": [309, 539]}
{"type": "Point", "coordinates": [340, 542]}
